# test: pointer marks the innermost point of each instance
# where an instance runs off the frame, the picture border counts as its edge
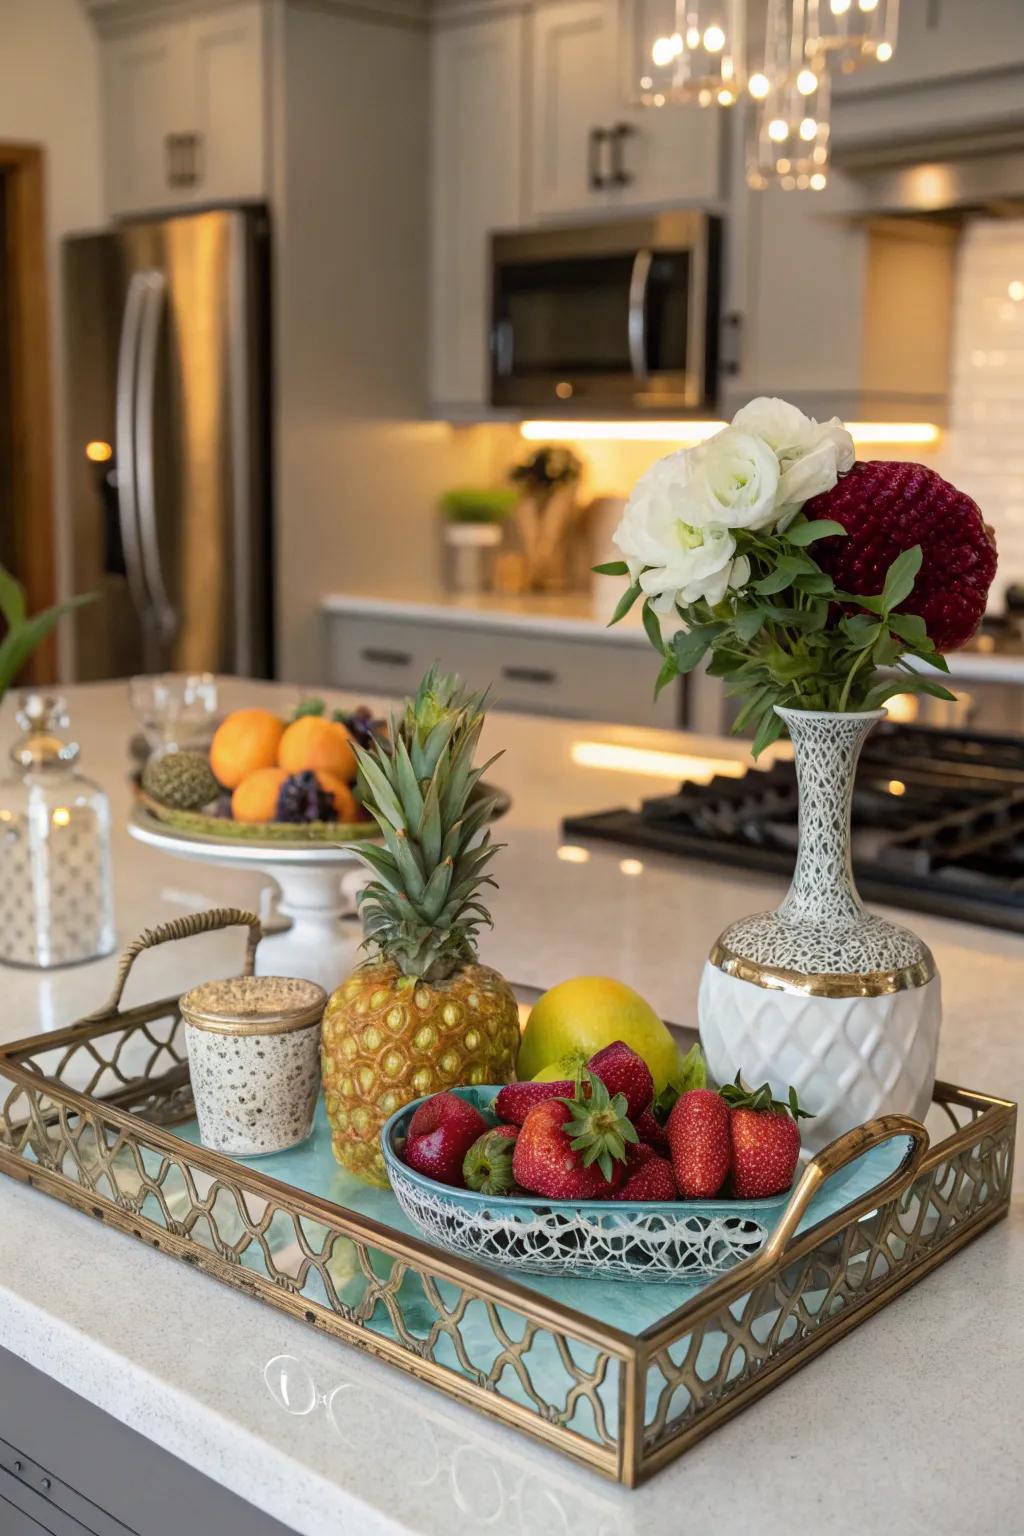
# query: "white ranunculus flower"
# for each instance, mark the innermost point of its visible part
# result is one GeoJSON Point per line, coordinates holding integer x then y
{"type": "Point", "coordinates": [811, 454]}
{"type": "Point", "coordinates": [735, 478]}
{"type": "Point", "coordinates": [675, 557]}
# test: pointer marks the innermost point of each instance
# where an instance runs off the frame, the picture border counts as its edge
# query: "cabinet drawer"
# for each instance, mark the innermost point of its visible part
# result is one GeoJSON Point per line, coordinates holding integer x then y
{"type": "Point", "coordinates": [573, 676]}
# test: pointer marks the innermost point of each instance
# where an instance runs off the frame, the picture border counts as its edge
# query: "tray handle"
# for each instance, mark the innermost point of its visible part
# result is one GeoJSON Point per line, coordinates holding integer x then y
{"type": "Point", "coordinates": [836, 1156]}
{"type": "Point", "coordinates": [181, 928]}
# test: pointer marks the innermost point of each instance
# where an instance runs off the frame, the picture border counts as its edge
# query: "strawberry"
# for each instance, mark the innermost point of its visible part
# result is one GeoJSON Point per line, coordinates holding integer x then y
{"type": "Point", "coordinates": [765, 1138]}
{"type": "Point", "coordinates": [441, 1132]}
{"type": "Point", "coordinates": [574, 1148]}
{"type": "Point", "coordinates": [648, 1176]}
{"type": "Point", "coordinates": [488, 1163]}
{"type": "Point", "coordinates": [698, 1135]}
{"type": "Point", "coordinates": [515, 1100]}
{"type": "Point", "coordinates": [651, 1131]}
{"type": "Point", "coordinates": [623, 1071]}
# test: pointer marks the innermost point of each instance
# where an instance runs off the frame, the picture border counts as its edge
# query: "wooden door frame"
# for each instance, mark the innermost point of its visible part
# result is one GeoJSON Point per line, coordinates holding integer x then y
{"type": "Point", "coordinates": [28, 322]}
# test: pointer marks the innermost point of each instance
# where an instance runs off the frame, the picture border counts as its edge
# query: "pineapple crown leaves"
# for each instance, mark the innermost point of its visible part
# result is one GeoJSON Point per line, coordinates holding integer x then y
{"type": "Point", "coordinates": [422, 908]}
{"type": "Point", "coordinates": [598, 1126]}
{"type": "Point", "coordinates": [737, 1096]}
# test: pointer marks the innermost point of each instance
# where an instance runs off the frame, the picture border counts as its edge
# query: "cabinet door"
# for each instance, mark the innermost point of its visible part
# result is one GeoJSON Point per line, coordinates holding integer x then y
{"type": "Point", "coordinates": [477, 87]}
{"type": "Point", "coordinates": [667, 154]}
{"type": "Point", "coordinates": [227, 68]}
{"type": "Point", "coordinates": [148, 101]}
{"type": "Point", "coordinates": [573, 97]}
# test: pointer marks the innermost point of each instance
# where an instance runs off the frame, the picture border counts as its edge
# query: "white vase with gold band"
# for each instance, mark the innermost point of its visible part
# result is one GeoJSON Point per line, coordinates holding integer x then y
{"type": "Point", "coordinates": [840, 1003]}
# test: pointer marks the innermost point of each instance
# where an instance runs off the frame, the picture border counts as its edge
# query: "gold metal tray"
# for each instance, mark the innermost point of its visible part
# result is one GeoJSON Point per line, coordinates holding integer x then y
{"type": "Point", "coordinates": [88, 1114]}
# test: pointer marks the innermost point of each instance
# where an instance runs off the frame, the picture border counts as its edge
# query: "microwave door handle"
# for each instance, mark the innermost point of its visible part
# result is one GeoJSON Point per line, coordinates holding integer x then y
{"type": "Point", "coordinates": [637, 324]}
{"type": "Point", "coordinates": [124, 436]}
{"type": "Point", "coordinates": [149, 338]}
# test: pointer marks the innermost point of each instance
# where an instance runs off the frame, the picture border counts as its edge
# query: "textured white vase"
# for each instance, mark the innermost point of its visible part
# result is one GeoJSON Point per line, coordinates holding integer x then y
{"type": "Point", "coordinates": [821, 994]}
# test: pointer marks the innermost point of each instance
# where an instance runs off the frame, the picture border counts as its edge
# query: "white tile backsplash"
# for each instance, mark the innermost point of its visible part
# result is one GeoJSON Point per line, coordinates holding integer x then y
{"type": "Point", "coordinates": [983, 451]}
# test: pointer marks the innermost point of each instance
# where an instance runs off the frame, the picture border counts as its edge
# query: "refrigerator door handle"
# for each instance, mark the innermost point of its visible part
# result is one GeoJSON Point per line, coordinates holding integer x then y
{"type": "Point", "coordinates": [145, 395]}
{"type": "Point", "coordinates": [124, 433]}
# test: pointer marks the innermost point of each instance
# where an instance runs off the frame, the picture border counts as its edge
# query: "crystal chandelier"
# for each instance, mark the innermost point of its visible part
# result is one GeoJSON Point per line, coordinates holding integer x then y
{"type": "Point", "coordinates": [851, 32]}
{"type": "Point", "coordinates": [689, 51]}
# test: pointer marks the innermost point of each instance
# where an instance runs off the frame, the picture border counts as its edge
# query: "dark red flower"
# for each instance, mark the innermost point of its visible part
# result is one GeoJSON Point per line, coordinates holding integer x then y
{"type": "Point", "coordinates": [889, 507]}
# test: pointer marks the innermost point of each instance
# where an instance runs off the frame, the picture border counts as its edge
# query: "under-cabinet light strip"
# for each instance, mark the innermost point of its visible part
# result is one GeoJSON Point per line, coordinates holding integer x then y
{"type": "Point", "coordinates": [686, 432]}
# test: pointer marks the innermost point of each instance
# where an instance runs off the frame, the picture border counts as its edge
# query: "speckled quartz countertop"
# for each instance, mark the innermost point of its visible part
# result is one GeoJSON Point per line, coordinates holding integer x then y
{"type": "Point", "coordinates": [910, 1424]}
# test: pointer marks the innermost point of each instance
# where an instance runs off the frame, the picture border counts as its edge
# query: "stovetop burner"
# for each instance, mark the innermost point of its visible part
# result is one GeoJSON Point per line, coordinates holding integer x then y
{"type": "Point", "coordinates": [938, 822]}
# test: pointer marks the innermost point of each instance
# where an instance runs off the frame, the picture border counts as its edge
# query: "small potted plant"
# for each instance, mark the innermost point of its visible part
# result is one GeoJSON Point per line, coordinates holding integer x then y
{"type": "Point", "coordinates": [816, 588]}
{"type": "Point", "coordinates": [473, 522]}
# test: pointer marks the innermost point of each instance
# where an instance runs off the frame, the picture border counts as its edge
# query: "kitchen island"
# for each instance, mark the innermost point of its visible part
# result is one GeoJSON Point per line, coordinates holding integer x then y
{"type": "Point", "coordinates": [910, 1423]}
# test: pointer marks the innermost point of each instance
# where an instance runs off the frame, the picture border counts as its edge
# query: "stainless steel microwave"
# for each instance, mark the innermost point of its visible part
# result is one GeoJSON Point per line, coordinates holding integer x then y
{"type": "Point", "coordinates": [612, 316]}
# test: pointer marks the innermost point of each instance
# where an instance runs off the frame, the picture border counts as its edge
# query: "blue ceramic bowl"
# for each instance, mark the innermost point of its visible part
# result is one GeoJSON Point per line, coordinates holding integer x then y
{"type": "Point", "coordinates": [668, 1240]}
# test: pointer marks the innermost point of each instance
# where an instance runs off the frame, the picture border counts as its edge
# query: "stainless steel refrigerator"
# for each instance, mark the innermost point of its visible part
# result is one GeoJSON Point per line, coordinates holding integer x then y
{"type": "Point", "coordinates": [167, 334]}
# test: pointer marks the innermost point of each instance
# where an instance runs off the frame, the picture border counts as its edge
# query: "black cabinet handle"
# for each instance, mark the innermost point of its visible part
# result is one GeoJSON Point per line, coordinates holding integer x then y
{"type": "Point", "coordinates": [597, 139]}
{"type": "Point", "coordinates": [182, 151]}
{"type": "Point", "coordinates": [732, 351]}
{"type": "Point", "coordinates": [540, 675]}
{"type": "Point", "coordinates": [384, 658]}
{"type": "Point", "coordinates": [617, 137]}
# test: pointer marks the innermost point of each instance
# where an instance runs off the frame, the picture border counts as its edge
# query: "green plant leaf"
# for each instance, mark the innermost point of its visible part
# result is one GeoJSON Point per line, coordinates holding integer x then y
{"type": "Point", "coordinates": [886, 649]}
{"type": "Point", "coordinates": [750, 622]}
{"type": "Point", "coordinates": [611, 568]}
{"type": "Point", "coordinates": [23, 638]}
{"type": "Point", "coordinates": [769, 730]}
{"type": "Point", "coordinates": [667, 673]}
{"type": "Point", "coordinates": [625, 603]}
{"type": "Point", "coordinates": [690, 646]}
{"type": "Point", "coordinates": [652, 627]}
{"type": "Point", "coordinates": [900, 577]}
{"type": "Point", "coordinates": [802, 534]}
{"type": "Point", "coordinates": [817, 583]}
{"type": "Point", "coordinates": [910, 627]}
{"type": "Point", "coordinates": [876, 697]}
{"type": "Point", "coordinates": [12, 598]}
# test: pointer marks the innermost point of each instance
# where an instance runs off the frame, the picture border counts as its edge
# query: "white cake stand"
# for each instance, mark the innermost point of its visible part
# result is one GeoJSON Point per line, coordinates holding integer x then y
{"type": "Point", "coordinates": [317, 884]}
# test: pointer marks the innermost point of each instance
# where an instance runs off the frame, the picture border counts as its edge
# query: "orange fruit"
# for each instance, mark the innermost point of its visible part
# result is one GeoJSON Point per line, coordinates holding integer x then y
{"type": "Point", "coordinates": [345, 806]}
{"type": "Point", "coordinates": [255, 799]}
{"type": "Point", "coordinates": [246, 740]}
{"type": "Point", "coordinates": [312, 743]}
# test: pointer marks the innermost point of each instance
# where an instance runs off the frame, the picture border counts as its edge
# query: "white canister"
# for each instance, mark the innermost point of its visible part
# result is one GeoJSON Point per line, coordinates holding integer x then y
{"type": "Point", "coordinates": [254, 1058]}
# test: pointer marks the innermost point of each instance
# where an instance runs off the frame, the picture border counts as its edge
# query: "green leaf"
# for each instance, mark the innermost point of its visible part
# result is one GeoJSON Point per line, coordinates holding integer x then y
{"type": "Point", "coordinates": [668, 672]}
{"type": "Point", "coordinates": [12, 598]}
{"type": "Point", "coordinates": [817, 583]}
{"type": "Point", "coordinates": [802, 534]}
{"type": "Point", "coordinates": [876, 697]}
{"type": "Point", "coordinates": [625, 603]}
{"type": "Point", "coordinates": [776, 581]}
{"type": "Point", "coordinates": [886, 649]}
{"type": "Point", "coordinates": [859, 600]}
{"type": "Point", "coordinates": [23, 638]}
{"type": "Point", "coordinates": [860, 630]}
{"type": "Point", "coordinates": [611, 568]}
{"type": "Point", "coordinates": [690, 646]}
{"type": "Point", "coordinates": [900, 577]}
{"type": "Point", "coordinates": [768, 731]}
{"type": "Point", "coordinates": [910, 627]}
{"type": "Point", "coordinates": [652, 627]}
{"type": "Point", "coordinates": [749, 623]}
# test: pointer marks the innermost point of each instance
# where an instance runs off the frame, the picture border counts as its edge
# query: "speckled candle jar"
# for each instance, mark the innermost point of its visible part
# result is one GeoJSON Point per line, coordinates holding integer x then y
{"type": "Point", "coordinates": [254, 1057]}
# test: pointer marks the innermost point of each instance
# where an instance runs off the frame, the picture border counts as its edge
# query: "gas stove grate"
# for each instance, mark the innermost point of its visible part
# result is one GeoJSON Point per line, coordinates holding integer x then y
{"type": "Point", "coordinates": [938, 823]}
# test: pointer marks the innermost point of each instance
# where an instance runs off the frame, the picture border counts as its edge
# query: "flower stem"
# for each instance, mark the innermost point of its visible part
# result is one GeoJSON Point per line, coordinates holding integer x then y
{"type": "Point", "coordinates": [844, 697]}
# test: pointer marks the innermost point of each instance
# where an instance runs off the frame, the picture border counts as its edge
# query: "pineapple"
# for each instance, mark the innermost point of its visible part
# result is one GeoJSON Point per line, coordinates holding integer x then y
{"type": "Point", "coordinates": [422, 1014]}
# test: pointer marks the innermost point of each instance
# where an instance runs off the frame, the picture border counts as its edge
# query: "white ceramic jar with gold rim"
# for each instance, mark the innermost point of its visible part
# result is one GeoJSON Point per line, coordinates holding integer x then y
{"type": "Point", "coordinates": [840, 1003]}
{"type": "Point", "coordinates": [254, 1059]}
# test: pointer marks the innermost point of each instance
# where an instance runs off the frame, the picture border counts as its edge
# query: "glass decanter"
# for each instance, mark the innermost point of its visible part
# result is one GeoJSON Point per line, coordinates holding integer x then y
{"type": "Point", "coordinates": [56, 888]}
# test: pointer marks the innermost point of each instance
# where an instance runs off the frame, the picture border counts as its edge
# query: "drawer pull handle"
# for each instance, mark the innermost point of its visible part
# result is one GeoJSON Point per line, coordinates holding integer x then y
{"type": "Point", "coordinates": [529, 675]}
{"type": "Point", "coordinates": [386, 658]}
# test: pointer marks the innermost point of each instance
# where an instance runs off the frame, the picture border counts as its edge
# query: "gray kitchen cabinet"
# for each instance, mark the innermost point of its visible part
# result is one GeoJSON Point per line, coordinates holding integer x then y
{"type": "Point", "coordinates": [477, 125]}
{"type": "Point", "coordinates": [69, 1469]}
{"type": "Point", "coordinates": [590, 151]}
{"type": "Point", "coordinates": [184, 107]}
{"type": "Point", "coordinates": [547, 674]}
